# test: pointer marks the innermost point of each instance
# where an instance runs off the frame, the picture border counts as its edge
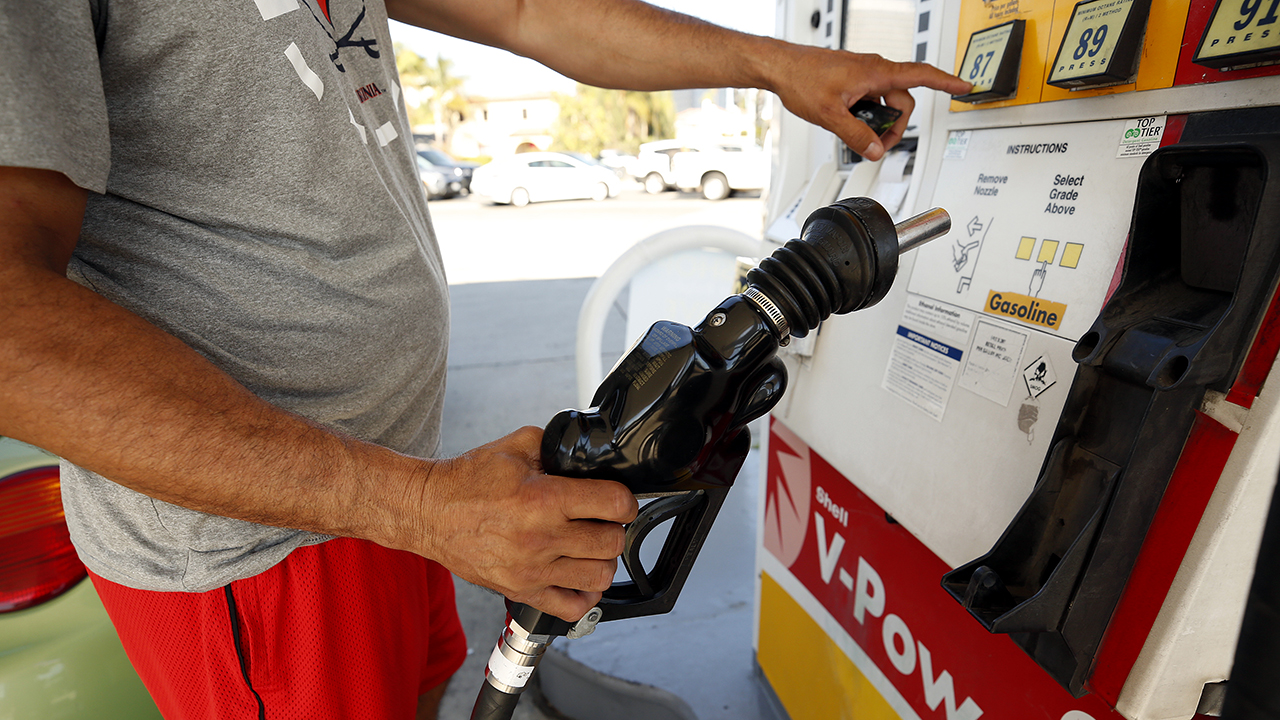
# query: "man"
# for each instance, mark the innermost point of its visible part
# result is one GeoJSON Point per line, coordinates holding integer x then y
{"type": "Point", "coordinates": [222, 303]}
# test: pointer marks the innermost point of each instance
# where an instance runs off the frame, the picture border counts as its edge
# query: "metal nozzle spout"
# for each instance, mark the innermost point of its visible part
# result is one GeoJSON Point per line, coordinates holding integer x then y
{"type": "Point", "coordinates": [916, 231]}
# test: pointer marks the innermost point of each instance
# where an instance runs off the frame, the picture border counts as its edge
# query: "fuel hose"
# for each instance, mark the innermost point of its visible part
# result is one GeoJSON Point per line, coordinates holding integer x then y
{"type": "Point", "coordinates": [493, 704]}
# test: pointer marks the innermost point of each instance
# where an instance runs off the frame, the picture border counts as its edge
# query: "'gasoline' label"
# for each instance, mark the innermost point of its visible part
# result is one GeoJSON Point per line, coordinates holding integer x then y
{"type": "Point", "coordinates": [1033, 311]}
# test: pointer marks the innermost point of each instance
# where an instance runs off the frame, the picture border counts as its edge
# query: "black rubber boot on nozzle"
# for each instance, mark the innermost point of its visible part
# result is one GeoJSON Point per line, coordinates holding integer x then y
{"type": "Point", "coordinates": [845, 259]}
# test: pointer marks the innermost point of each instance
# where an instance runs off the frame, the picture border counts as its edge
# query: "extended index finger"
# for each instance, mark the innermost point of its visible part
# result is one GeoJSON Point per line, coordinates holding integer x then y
{"type": "Point", "coordinates": [915, 74]}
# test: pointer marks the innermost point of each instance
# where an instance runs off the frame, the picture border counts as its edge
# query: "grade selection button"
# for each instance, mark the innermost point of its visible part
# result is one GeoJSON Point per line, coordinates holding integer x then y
{"type": "Point", "coordinates": [1240, 34]}
{"type": "Point", "coordinates": [1102, 44]}
{"type": "Point", "coordinates": [991, 62]}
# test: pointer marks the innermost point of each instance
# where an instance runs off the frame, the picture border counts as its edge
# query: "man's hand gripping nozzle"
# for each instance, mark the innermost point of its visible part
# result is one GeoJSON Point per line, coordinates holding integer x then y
{"type": "Point", "coordinates": [669, 421]}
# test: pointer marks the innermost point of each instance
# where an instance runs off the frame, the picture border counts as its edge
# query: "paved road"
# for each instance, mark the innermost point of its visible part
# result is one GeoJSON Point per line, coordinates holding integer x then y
{"type": "Point", "coordinates": [575, 238]}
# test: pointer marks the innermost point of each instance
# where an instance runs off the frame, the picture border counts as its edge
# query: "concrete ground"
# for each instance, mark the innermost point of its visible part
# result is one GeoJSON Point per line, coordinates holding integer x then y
{"type": "Point", "coordinates": [510, 364]}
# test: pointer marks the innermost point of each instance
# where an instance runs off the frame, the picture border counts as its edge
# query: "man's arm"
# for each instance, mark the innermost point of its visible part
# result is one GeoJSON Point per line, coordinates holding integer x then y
{"type": "Point", "coordinates": [631, 45]}
{"type": "Point", "coordinates": [96, 384]}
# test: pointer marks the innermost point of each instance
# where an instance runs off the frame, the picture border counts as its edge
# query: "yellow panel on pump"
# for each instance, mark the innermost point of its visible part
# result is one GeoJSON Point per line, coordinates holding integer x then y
{"type": "Point", "coordinates": [812, 677]}
{"type": "Point", "coordinates": [1160, 50]}
{"type": "Point", "coordinates": [976, 16]}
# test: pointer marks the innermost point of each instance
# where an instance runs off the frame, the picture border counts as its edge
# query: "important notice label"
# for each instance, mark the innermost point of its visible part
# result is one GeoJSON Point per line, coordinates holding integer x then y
{"type": "Point", "coordinates": [922, 371]}
{"type": "Point", "coordinates": [1023, 308]}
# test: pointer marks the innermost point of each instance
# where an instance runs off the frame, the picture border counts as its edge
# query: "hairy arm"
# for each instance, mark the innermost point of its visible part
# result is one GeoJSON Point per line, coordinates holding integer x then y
{"type": "Point", "coordinates": [632, 45]}
{"type": "Point", "coordinates": [96, 384]}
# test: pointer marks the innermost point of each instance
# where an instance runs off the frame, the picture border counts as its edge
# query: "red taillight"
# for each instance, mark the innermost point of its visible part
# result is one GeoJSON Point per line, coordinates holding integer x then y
{"type": "Point", "coordinates": [37, 561]}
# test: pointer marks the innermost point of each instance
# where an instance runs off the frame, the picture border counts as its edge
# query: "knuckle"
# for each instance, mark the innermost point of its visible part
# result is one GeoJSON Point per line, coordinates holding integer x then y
{"type": "Point", "coordinates": [604, 577]}
{"type": "Point", "coordinates": [572, 611]}
{"type": "Point", "coordinates": [625, 505]}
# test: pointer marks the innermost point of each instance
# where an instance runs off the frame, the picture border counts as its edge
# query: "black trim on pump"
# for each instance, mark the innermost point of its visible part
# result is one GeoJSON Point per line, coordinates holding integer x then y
{"type": "Point", "coordinates": [1253, 692]}
{"type": "Point", "coordinates": [240, 653]}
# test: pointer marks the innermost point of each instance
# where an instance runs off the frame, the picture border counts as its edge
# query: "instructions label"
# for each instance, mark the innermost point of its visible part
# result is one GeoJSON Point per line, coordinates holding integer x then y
{"type": "Point", "coordinates": [992, 363]}
{"type": "Point", "coordinates": [927, 354]}
{"type": "Point", "coordinates": [1039, 217]}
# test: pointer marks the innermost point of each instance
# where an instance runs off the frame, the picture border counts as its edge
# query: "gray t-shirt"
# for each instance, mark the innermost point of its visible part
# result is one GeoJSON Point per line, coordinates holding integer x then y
{"type": "Point", "coordinates": [255, 195]}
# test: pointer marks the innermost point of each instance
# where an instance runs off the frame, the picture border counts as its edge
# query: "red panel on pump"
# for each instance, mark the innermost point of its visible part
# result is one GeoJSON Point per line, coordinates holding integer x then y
{"type": "Point", "coordinates": [1261, 357]}
{"type": "Point", "coordinates": [881, 584]}
{"type": "Point", "coordinates": [1188, 72]}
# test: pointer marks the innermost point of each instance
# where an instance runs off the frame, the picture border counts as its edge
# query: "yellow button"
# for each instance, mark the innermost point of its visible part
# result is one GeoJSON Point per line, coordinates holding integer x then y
{"type": "Point", "coordinates": [1025, 247]}
{"type": "Point", "coordinates": [1071, 255]}
{"type": "Point", "coordinates": [1048, 249]}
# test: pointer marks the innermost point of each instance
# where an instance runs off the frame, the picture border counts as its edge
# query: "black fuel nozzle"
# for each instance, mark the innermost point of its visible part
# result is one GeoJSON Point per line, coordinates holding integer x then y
{"type": "Point", "coordinates": [669, 421]}
{"type": "Point", "coordinates": [845, 259]}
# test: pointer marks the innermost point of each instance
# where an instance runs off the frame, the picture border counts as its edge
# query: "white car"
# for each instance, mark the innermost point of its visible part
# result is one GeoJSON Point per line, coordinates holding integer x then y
{"type": "Point", "coordinates": [652, 166]}
{"type": "Point", "coordinates": [536, 177]}
{"type": "Point", "coordinates": [719, 170]}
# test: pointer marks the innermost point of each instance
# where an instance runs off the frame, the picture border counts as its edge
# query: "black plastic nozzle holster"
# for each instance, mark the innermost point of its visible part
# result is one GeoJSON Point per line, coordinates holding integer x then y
{"type": "Point", "coordinates": [1201, 266]}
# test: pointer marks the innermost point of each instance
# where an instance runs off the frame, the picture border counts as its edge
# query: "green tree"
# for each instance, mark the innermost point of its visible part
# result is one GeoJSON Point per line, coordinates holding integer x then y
{"type": "Point", "coordinates": [594, 119]}
{"type": "Point", "coordinates": [446, 102]}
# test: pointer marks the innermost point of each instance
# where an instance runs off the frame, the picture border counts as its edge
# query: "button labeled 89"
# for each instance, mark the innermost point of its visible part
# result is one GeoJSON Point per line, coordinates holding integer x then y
{"type": "Point", "coordinates": [1101, 44]}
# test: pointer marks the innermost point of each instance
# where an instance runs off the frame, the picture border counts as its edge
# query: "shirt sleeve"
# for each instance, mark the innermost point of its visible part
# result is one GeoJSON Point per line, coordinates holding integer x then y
{"type": "Point", "coordinates": [53, 112]}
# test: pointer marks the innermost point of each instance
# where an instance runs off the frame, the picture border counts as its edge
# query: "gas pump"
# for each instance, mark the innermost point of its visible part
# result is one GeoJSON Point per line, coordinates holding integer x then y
{"type": "Point", "coordinates": [1032, 481]}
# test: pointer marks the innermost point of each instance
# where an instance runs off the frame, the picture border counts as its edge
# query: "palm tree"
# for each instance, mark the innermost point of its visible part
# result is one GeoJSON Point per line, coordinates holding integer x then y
{"type": "Point", "coordinates": [446, 105]}
{"type": "Point", "coordinates": [594, 119]}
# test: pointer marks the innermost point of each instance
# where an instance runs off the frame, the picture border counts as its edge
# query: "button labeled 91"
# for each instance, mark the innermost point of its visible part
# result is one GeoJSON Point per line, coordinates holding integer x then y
{"type": "Point", "coordinates": [1240, 32]}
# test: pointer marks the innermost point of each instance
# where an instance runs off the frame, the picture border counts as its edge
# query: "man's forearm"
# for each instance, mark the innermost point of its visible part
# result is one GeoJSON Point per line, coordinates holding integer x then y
{"type": "Point", "coordinates": [91, 382]}
{"type": "Point", "coordinates": [615, 43]}
{"type": "Point", "coordinates": [631, 45]}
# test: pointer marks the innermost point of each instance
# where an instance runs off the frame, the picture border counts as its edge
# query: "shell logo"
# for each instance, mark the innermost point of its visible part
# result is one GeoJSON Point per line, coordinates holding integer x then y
{"type": "Point", "coordinates": [787, 497]}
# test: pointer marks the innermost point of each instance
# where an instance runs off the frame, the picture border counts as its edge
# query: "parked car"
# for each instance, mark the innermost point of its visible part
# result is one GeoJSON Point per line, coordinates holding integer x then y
{"type": "Point", "coordinates": [624, 165]}
{"type": "Point", "coordinates": [59, 654]}
{"type": "Point", "coordinates": [433, 181]}
{"type": "Point", "coordinates": [456, 172]}
{"type": "Point", "coordinates": [716, 171]}
{"type": "Point", "coordinates": [599, 162]}
{"type": "Point", "coordinates": [536, 177]}
{"type": "Point", "coordinates": [652, 166]}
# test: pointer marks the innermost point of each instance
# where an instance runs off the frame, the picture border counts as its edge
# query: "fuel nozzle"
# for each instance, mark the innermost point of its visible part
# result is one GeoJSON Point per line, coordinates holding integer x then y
{"type": "Point", "coordinates": [844, 260]}
{"type": "Point", "coordinates": [670, 420]}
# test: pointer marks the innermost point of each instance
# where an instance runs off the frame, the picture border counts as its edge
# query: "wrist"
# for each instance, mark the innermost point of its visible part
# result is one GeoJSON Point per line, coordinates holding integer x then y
{"type": "Point", "coordinates": [388, 496]}
{"type": "Point", "coordinates": [760, 63]}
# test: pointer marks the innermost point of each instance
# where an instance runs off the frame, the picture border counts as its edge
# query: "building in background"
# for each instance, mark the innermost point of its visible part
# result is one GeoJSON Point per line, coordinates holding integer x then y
{"type": "Point", "coordinates": [503, 126]}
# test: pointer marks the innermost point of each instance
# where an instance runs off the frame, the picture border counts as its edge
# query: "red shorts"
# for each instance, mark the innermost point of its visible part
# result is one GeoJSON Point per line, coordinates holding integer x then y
{"type": "Point", "coordinates": [346, 630]}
